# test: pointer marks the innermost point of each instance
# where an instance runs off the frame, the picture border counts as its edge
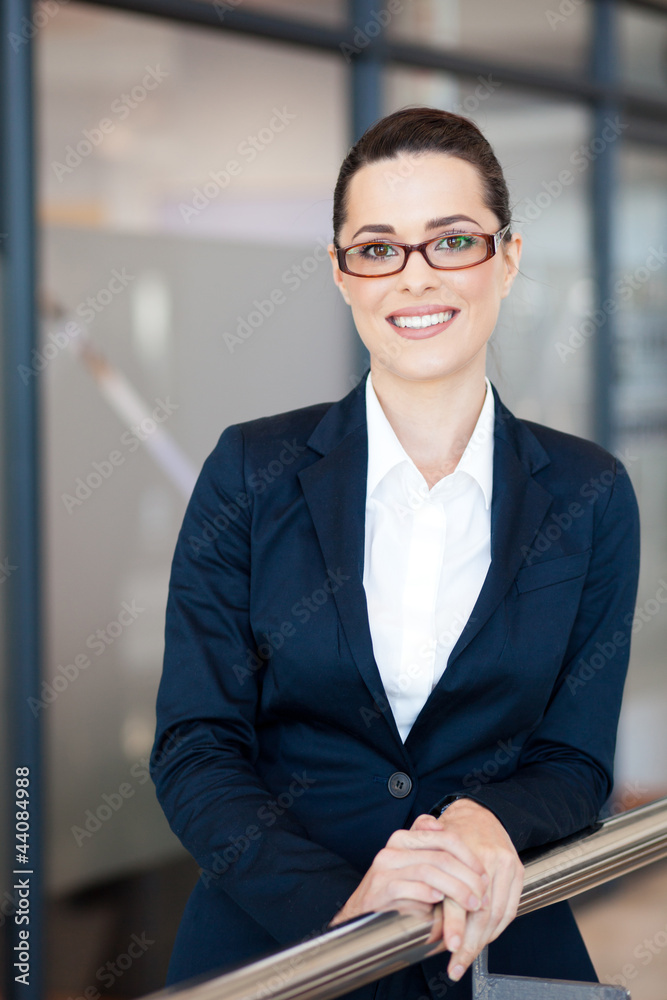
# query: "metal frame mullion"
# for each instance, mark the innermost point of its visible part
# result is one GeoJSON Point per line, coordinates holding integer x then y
{"type": "Point", "coordinates": [603, 69]}
{"type": "Point", "coordinates": [21, 482]}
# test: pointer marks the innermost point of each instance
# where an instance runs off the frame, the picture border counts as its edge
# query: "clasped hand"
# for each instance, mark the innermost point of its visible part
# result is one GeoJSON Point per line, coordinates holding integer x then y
{"type": "Point", "coordinates": [464, 860]}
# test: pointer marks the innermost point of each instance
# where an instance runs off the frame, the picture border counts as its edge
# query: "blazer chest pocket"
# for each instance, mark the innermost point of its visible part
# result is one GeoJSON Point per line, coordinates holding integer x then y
{"type": "Point", "coordinates": [553, 571]}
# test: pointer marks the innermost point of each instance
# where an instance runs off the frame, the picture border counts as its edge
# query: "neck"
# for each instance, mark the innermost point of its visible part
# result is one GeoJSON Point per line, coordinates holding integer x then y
{"type": "Point", "coordinates": [432, 418]}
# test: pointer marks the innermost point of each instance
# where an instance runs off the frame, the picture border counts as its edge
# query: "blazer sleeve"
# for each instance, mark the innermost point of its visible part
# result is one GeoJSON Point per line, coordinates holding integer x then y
{"type": "Point", "coordinates": [564, 773]}
{"type": "Point", "coordinates": [202, 762]}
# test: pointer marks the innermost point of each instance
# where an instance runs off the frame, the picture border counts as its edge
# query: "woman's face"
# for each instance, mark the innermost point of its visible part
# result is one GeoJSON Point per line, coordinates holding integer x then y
{"type": "Point", "coordinates": [411, 198]}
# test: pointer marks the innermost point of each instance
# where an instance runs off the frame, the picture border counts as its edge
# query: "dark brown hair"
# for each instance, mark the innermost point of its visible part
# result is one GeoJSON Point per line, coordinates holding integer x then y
{"type": "Point", "coordinates": [423, 130]}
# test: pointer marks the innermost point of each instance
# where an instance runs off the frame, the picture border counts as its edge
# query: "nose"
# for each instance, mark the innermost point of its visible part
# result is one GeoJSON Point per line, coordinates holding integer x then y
{"type": "Point", "coordinates": [418, 276]}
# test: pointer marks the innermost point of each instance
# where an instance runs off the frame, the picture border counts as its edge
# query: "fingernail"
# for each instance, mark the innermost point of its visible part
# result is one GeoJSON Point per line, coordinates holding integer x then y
{"type": "Point", "coordinates": [456, 973]}
{"type": "Point", "coordinates": [454, 943]}
{"type": "Point", "coordinates": [485, 899]}
{"type": "Point", "coordinates": [485, 878]}
{"type": "Point", "coordinates": [473, 902]}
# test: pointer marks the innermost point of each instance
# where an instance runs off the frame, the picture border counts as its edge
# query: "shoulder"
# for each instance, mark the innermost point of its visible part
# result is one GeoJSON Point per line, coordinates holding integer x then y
{"type": "Point", "coordinates": [581, 467]}
{"type": "Point", "coordinates": [300, 421]}
{"type": "Point", "coordinates": [264, 445]}
{"type": "Point", "coordinates": [264, 437]}
{"type": "Point", "coordinates": [576, 452]}
{"type": "Point", "coordinates": [543, 449]}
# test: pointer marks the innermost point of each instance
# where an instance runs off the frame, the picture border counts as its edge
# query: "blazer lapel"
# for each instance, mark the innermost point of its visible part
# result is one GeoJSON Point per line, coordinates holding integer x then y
{"type": "Point", "coordinates": [518, 507]}
{"type": "Point", "coordinates": [334, 487]}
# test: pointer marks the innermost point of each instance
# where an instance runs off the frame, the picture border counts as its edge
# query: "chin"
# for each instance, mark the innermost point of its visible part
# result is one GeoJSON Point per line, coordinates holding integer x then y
{"type": "Point", "coordinates": [423, 369]}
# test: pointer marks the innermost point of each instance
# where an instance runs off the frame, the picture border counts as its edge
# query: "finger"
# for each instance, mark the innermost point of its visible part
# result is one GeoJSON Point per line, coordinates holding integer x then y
{"type": "Point", "coordinates": [440, 883]}
{"type": "Point", "coordinates": [437, 839]}
{"type": "Point", "coordinates": [426, 822]}
{"type": "Point", "coordinates": [513, 897]}
{"type": "Point", "coordinates": [439, 869]}
{"type": "Point", "coordinates": [455, 919]}
{"type": "Point", "coordinates": [436, 935]}
{"type": "Point", "coordinates": [398, 888]}
{"type": "Point", "coordinates": [489, 922]}
{"type": "Point", "coordinates": [425, 818]}
{"type": "Point", "coordinates": [472, 942]}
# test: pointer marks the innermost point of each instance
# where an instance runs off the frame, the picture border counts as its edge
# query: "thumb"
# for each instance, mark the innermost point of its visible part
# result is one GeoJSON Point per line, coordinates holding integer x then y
{"type": "Point", "coordinates": [426, 822]}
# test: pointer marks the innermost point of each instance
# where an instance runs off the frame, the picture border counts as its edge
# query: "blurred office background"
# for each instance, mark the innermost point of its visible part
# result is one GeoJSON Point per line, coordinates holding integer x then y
{"type": "Point", "coordinates": [185, 167]}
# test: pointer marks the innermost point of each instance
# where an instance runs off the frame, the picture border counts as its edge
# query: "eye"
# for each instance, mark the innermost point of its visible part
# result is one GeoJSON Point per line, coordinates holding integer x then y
{"type": "Point", "coordinates": [460, 241]}
{"type": "Point", "coordinates": [377, 251]}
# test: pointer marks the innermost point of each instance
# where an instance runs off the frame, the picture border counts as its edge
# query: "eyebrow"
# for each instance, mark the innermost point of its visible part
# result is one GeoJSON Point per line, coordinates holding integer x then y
{"type": "Point", "coordinates": [446, 220]}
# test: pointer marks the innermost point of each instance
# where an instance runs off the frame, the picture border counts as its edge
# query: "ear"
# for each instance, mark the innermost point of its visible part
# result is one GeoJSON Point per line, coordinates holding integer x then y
{"type": "Point", "coordinates": [338, 275]}
{"type": "Point", "coordinates": [512, 255]}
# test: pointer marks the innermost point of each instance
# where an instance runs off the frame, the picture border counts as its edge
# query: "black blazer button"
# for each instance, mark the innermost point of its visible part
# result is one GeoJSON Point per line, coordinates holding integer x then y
{"type": "Point", "coordinates": [399, 785]}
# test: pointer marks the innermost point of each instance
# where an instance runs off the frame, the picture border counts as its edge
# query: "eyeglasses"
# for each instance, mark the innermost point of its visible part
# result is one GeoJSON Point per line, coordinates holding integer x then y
{"type": "Point", "coordinates": [450, 252]}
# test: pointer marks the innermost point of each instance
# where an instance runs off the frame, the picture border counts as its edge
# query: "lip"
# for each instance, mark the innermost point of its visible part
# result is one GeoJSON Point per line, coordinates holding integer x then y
{"type": "Point", "coordinates": [426, 310]}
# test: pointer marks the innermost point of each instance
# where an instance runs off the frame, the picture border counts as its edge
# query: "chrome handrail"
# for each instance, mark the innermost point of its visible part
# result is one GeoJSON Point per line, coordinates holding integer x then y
{"type": "Point", "coordinates": [377, 944]}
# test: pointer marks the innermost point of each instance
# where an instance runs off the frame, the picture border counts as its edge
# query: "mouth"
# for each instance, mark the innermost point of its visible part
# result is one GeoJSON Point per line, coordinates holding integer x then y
{"type": "Point", "coordinates": [422, 322]}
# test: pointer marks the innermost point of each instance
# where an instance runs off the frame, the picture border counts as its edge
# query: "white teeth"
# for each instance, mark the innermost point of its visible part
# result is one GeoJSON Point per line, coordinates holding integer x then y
{"type": "Point", "coordinates": [422, 322]}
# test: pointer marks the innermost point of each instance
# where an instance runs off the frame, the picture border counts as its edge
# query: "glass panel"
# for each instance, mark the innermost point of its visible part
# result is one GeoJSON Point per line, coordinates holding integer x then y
{"type": "Point", "coordinates": [185, 198]}
{"type": "Point", "coordinates": [535, 140]}
{"type": "Point", "coordinates": [643, 44]}
{"type": "Point", "coordinates": [641, 416]}
{"type": "Point", "coordinates": [533, 32]}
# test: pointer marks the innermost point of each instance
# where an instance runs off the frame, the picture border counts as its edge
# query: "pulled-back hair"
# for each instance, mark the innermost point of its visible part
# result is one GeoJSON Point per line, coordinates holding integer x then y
{"type": "Point", "coordinates": [423, 130]}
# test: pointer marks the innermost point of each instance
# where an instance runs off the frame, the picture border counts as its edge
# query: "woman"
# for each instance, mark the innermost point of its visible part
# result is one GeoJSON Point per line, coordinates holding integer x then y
{"type": "Point", "coordinates": [397, 660]}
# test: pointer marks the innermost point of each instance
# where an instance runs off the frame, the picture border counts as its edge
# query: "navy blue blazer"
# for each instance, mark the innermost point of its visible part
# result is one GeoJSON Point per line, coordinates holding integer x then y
{"type": "Point", "coordinates": [275, 742]}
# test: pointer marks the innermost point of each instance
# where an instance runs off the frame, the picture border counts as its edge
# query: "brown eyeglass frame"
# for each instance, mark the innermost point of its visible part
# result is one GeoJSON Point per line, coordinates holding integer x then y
{"type": "Point", "coordinates": [492, 240]}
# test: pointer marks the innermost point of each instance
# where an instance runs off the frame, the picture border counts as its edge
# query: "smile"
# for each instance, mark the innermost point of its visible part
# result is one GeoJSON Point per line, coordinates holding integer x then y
{"type": "Point", "coordinates": [421, 322]}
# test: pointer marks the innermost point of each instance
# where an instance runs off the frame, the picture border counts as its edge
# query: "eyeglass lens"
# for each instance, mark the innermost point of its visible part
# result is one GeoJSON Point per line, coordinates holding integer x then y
{"type": "Point", "coordinates": [456, 250]}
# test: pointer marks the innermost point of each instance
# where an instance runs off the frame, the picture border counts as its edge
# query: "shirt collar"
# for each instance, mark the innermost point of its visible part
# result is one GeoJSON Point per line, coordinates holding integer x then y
{"type": "Point", "coordinates": [385, 450]}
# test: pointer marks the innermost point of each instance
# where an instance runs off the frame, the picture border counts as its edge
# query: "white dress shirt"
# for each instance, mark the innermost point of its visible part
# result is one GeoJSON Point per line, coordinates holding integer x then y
{"type": "Point", "coordinates": [427, 553]}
